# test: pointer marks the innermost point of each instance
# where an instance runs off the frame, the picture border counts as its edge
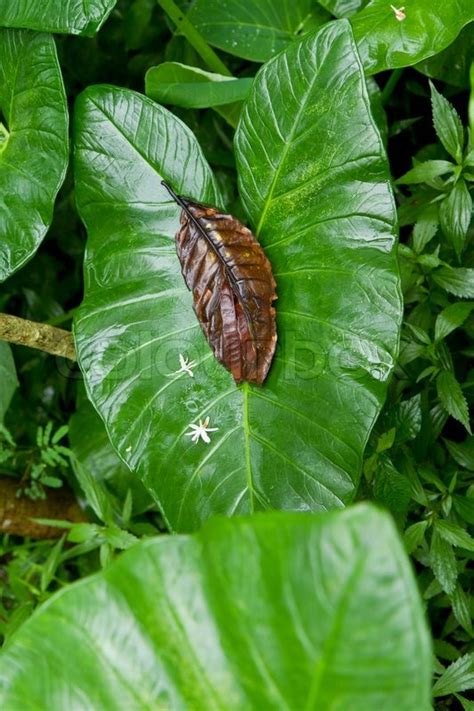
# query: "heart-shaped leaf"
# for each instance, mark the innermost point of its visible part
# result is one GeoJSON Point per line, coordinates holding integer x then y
{"type": "Point", "coordinates": [328, 616]}
{"type": "Point", "coordinates": [33, 143]}
{"type": "Point", "coordinates": [387, 39]}
{"type": "Point", "coordinates": [314, 180]}
{"type": "Point", "coordinates": [8, 380]}
{"type": "Point", "coordinates": [255, 29]}
{"type": "Point", "coordinates": [75, 17]}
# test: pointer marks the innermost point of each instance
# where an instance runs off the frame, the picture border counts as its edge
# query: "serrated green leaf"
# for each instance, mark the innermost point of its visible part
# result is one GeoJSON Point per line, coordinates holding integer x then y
{"type": "Point", "coordinates": [34, 157]}
{"type": "Point", "coordinates": [8, 379]}
{"type": "Point", "coordinates": [255, 29]}
{"type": "Point", "coordinates": [323, 392]}
{"type": "Point", "coordinates": [464, 506]}
{"type": "Point", "coordinates": [462, 452]}
{"type": "Point", "coordinates": [461, 605]}
{"type": "Point", "coordinates": [454, 534]}
{"type": "Point", "coordinates": [443, 562]}
{"type": "Point", "coordinates": [425, 228]}
{"type": "Point", "coordinates": [426, 172]}
{"type": "Point", "coordinates": [455, 213]}
{"type": "Point", "coordinates": [75, 17]}
{"type": "Point", "coordinates": [191, 87]}
{"type": "Point", "coordinates": [459, 676]}
{"type": "Point", "coordinates": [451, 318]}
{"type": "Point", "coordinates": [280, 611]}
{"type": "Point", "coordinates": [458, 281]}
{"type": "Point", "coordinates": [415, 535]}
{"type": "Point", "coordinates": [452, 398]}
{"type": "Point", "coordinates": [407, 417]}
{"type": "Point", "coordinates": [447, 123]}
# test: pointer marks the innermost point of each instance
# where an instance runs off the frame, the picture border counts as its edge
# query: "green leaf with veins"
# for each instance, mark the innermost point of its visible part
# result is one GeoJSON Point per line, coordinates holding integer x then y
{"type": "Point", "coordinates": [447, 124]}
{"type": "Point", "coordinates": [453, 64]}
{"type": "Point", "coordinates": [443, 562]}
{"type": "Point", "coordinates": [384, 42]}
{"type": "Point", "coordinates": [459, 676]}
{"type": "Point", "coordinates": [314, 180]}
{"type": "Point", "coordinates": [426, 172]}
{"type": "Point", "coordinates": [452, 317]}
{"type": "Point", "coordinates": [455, 214]}
{"type": "Point", "coordinates": [34, 156]}
{"type": "Point", "coordinates": [276, 611]}
{"type": "Point", "coordinates": [456, 280]}
{"type": "Point", "coordinates": [255, 29]}
{"type": "Point", "coordinates": [76, 17]}
{"type": "Point", "coordinates": [452, 398]}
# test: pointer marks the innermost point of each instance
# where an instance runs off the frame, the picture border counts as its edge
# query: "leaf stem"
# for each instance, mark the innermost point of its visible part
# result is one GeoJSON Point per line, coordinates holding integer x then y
{"type": "Point", "coordinates": [37, 335]}
{"type": "Point", "coordinates": [390, 86]}
{"type": "Point", "coordinates": [194, 37]}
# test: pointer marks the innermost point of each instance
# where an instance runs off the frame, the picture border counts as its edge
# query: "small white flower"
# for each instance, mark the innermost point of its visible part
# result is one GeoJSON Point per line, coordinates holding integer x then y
{"type": "Point", "coordinates": [129, 449]}
{"type": "Point", "coordinates": [186, 366]}
{"type": "Point", "coordinates": [399, 13]}
{"type": "Point", "coordinates": [200, 431]}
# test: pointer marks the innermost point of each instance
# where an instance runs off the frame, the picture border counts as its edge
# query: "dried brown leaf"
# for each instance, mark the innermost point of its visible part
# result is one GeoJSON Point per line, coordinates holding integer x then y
{"type": "Point", "coordinates": [233, 288]}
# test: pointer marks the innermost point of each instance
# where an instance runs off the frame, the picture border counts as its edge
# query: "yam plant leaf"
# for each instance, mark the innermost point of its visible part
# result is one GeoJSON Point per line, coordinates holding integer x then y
{"type": "Point", "coordinates": [33, 143]}
{"type": "Point", "coordinates": [193, 88]}
{"type": "Point", "coordinates": [323, 601]}
{"type": "Point", "coordinates": [8, 379]}
{"type": "Point", "coordinates": [384, 42]}
{"type": "Point", "coordinates": [75, 17]}
{"type": "Point", "coordinates": [454, 63]}
{"type": "Point", "coordinates": [313, 176]}
{"type": "Point", "coordinates": [233, 288]}
{"type": "Point", "coordinates": [255, 29]}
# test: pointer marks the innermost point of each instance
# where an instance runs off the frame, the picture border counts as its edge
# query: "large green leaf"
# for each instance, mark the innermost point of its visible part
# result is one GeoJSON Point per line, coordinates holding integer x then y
{"type": "Point", "coordinates": [33, 143]}
{"type": "Point", "coordinates": [384, 42]}
{"type": "Point", "coordinates": [8, 380]}
{"type": "Point", "coordinates": [255, 29]}
{"type": "Point", "coordinates": [278, 611]}
{"type": "Point", "coordinates": [76, 17]}
{"type": "Point", "coordinates": [453, 65]}
{"type": "Point", "coordinates": [259, 29]}
{"type": "Point", "coordinates": [296, 442]}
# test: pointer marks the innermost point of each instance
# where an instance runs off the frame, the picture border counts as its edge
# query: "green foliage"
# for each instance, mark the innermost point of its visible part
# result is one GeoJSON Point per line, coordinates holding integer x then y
{"type": "Point", "coordinates": [68, 16]}
{"type": "Point", "coordinates": [297, 150]}
{"type": "Point", "coordinates": [316, 584]}
{"type": "Point", "coordinates": [263, 430]}
{"type": "Point", "coordinates": [34, 150]}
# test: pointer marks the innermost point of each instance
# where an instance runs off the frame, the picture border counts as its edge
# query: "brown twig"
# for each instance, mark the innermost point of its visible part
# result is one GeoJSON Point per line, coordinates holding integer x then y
{"type": "Point", "coordinates": [46, 338]}
{"type": "Point", "coordinates": [16, 514]}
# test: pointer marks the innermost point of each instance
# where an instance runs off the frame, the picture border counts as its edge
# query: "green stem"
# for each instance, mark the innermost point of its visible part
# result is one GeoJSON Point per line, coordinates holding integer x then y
{"type": "Point", "coordinates": [390, 85]}
{"type": "Point", "coordinates": [61, 318]}
{"type": "Point", "coordinates": [194, 37]}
